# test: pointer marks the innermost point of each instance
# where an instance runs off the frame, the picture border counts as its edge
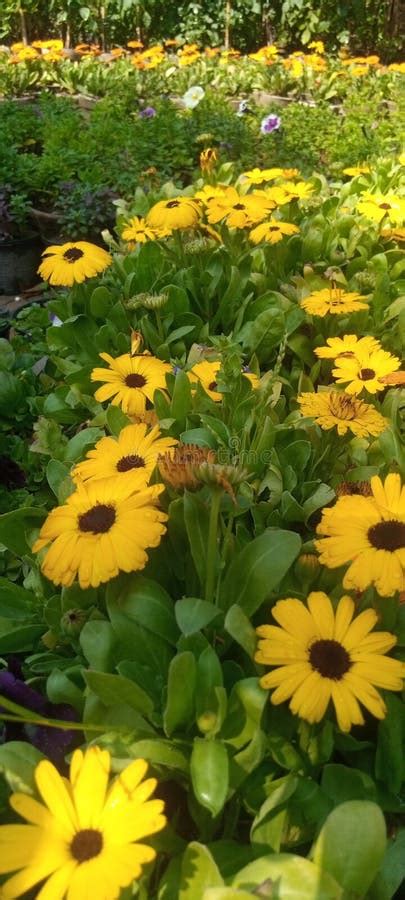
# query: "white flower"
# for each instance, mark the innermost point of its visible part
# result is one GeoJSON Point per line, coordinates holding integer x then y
{"type": "Point", "coordinates": [193, 96]}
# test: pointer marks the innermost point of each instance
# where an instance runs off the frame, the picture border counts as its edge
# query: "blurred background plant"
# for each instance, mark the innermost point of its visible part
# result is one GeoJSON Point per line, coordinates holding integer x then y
{"type": "Point", "coordinates": [365, 25]}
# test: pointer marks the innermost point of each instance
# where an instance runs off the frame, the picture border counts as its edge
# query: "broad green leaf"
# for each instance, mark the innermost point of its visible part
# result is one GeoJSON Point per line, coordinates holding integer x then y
{"type": "Point", "coordinates": [392, 872]}
{"type": "Point", "coordinates": [13, 527]}
{"type": "Point", "coordinates": [98, 640]}
{"type": "Point", "coordinates": [198, 872]}
{"type": "Point", "coordinates": [17, 763]}
{"type": "Point", "coordinates": [389, 761]}
{"type": "Point", "coordinates": [193, 614]}
{"type": "Point", "coordinates": [239, 627]}
{"type": "Point", "coordinates": [180, 709]}
{"type": "Point", "coordinates": [15, 601]}
{"type": "Point", "coordinates": [209, 767]}
{"type": "Point", "coordinates": [292, 877]}
{"type": "Point", "coordinates": [19, 639]}
{"type": "Point", "coordinates": [110, 687]}
{"type": "Point", "coordinates": [147, 603]}
{"type": "Point", "coordinates": [196, 517]}
{"type": "Point", "coordinates": [258, 569]}
{"type": "Point", "coordinates": [351, 845]}
{"type": "Point", "coordinates": [61, 689]}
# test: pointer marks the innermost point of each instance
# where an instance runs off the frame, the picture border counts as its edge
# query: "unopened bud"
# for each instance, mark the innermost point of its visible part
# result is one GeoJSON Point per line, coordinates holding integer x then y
{"type": "Point", "coordinates": [72, 621]}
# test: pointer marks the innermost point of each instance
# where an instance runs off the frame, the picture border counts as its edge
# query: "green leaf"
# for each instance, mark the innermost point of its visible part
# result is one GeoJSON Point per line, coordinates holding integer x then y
{"type": "Point", "coordinates": [101, 301]}
{"type": "Point", "coordinates": [60, 689]}
{"type": "Point", "coordinates": [342, 783]}
{"type": "Point", "coordinates": [351, 845]}
{"type": "Point", "coordinates": [389, 756]}
{"type": "Point", "coordinates": [78, 445]}
{"type": "Point", "coordinates": [181, 683]}
{"type": "Point", "coordinates": [268, 826]}
{"type": "Point", "coordinates": [296, 878]}
{"type": "Point", "coordinates": [239, 627]}
{"type": "Point", "coordinates": [144, 601]}
{"type": "Point", "coordinates": [392, 872]}
{"type": "Point", "coordinates": [110, 687]}
{"type": "Point", "coordinates": [196, 517]}
{"type": "Point", "coordinates": [116, 419]}
{"type": "Point", "coordinates": [258, 569]}
{"type": "Point", "coordinates": [198, 872]}
{"type": "Point", "coordinates": [209, 767]}
{"type": "Point", "coordinates": [98, 640]}
{"type": "Point", "coordinates": [19, 639]}
{"type": "Point", "coordinates": [15, 601]}
{"type": "Point", "coordinates": [193, 614]}
{"type": "Point", "coordinates": [17, 763]}
{"type": "Point", "coordinates": [181, 399]}
{"type": "Point", "coordinates": [57, 476]}
{"type": "Point", "coordinates": [15, 524]}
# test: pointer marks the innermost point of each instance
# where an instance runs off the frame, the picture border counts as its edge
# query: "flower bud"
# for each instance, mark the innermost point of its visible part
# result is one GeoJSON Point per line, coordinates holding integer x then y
{"type": "Point", "coordinates": [72, 621]}
{"type": "Point", "coordinates": [307, 567]}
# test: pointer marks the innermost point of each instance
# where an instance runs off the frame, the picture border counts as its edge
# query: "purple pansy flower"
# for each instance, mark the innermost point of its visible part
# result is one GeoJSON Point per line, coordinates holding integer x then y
{"type": "Point", "coordinates": [270, 123]}
{"type": "Point", "coordinates": [148, 113]}
{"type": "Point", "coordinates": [53, 742]}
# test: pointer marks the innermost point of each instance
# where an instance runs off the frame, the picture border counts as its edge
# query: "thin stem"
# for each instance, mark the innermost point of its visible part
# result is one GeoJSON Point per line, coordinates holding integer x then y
{"type": "Point", "coordinates": [216, 495]}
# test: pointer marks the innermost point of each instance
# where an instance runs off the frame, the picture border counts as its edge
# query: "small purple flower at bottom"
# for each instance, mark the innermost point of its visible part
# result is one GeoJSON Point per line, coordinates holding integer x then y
{"type": "Point", "coordinates": [270, 123]}
{"type": "Point", "coordinates": [148, 113]}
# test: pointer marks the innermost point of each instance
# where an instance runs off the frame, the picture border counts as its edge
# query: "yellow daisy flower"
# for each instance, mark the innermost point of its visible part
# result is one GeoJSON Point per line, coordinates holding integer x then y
{"type": "Point", "coordinates": [259, 176]}
{"type": "Point", "coordinates": [300, 190]}
{"type": "Point", "coordinates": [378, 206]}
{"type": "Point", "coordinates": [346, 346]}
{"type": "Point", "coordinates": [102, 529]}
{"type": "Point", "coordinates": [85, 837]}
{"type": "Point", "coordinates": [137, 231]}
{"type": "Point", "coordinates": [354, 171]}
{"type": "Point", "coordinates": [369, 533]}
{"type": "Point", "coordinates": [364, 371]}
{"type": "Point", "coordinates": [209, 191]}
{"type": "Point", "coordinates": [175, 214]}
{"type": "Point", "coordinates": [272, 231]}
{"type": "Point", "coordinates": [239, 211]}
{"type": "Point", "coordinates": [130, 381]}
{"type": "Point", "coordinates": [333, 300]}
{"type": "Point", "coordinates": [67, 264]}
{"type": "Point", "coordinates": [206, 374]}
{"type": "Point", "coordinates": [132, 456]}
{"type": "Point", "coordinates": [324, 655]}
{"type": "Point", "coordinates": [335, 408]}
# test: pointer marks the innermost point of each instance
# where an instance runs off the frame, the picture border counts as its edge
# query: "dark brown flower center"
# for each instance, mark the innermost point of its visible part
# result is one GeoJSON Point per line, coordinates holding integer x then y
{"type": "Point", "coordinates": [389, 535]}
{"type": "Point", "coordinates": [73, 254]}
{"type": "Point", "coordinates": [239, 206]}
{"type": "Point", "coordinates": [330, 659]}
{"type": "Point", "coordinates": [212, 386]}
{"type": "Point", "coordinates": [98, 519]}
{"type": "Point", "coordinates": [385, 206]}
{"type": "Point", "coordinates": [172, 204]}
{"type": "Point", "coordinates": [366, 374]}
{"type": "Point", "coordinates": [132, 461]}
{"type": "Point", "coordinates": [134, 380]}
{"type": "Point", "coordinates": [274, 228]}
{"type": "Point", "coordinates": [86, 844]}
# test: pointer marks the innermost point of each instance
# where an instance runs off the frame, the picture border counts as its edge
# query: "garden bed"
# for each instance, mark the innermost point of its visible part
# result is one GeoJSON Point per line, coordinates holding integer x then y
{"type": "Point", "coordinates": [202, 584]}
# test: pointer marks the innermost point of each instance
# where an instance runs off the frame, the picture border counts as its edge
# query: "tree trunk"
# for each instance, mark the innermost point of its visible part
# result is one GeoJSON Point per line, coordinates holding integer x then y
{"type": "Point", "coordinates": [67, 37]}
{"type": "Point", "coordinates": [23, 24]}
{"type": "Point", "coordinates": [228, 13]}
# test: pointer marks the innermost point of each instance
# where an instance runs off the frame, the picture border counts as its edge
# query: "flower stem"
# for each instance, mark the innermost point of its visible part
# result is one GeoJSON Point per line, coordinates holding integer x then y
{"type": "Point", "coordinates": [212, 544]}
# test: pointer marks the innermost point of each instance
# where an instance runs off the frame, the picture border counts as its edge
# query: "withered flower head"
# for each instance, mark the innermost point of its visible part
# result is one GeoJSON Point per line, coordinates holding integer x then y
{"type": "Point", "coordinates": [178, 468]}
